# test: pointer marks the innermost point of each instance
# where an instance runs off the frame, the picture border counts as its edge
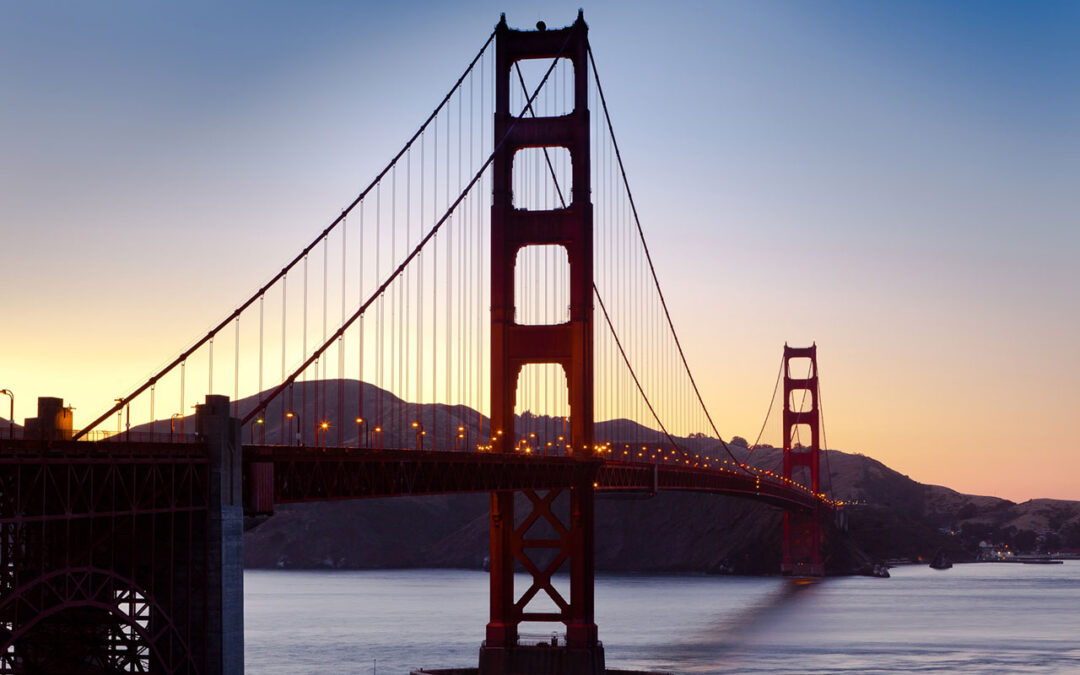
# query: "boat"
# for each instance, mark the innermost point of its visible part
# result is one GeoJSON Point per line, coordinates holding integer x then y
{"type": "Point", "coordinates": [940, 561]}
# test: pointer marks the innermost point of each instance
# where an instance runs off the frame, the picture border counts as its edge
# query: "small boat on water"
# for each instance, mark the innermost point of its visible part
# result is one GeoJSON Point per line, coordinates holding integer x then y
{"type": "Point", "coordinates": [879, 570]}
{"type": "Point", "coordinates": [941, 561]}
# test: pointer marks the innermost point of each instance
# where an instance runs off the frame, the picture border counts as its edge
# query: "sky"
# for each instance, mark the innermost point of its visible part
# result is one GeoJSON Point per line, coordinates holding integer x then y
{"type": "Point", "coordinates": [895, 181]}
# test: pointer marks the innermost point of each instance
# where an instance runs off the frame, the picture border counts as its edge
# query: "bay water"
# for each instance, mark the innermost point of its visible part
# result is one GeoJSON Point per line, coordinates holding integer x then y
{"type": "Point", "coordinates": [975, 618]}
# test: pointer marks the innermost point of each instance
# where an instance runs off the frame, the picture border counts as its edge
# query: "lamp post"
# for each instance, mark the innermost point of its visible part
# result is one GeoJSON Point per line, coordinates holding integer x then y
{"type": "Point", "coordinates": [119, 416]}
{"type": "Point", "coordinates": [378, 430]}
{"type": "Point", "coordinates": [419, 428]}
{"type": "Point", "coordinates": [172, 424]}
{"type": "Point", "coordinates": [258, 421]}
{"type": "Point", "coordinates": [359, 431]}
{"type": "Point", "coordinates": [11, 414]}
{"type": "Point", "coordinates": [321, 431]}
{"type": "Point", "coordinates": [290, 415]}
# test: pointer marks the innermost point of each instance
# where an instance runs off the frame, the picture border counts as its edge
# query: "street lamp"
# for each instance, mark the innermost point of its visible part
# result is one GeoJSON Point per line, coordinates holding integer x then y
{"type": "Point", "coordinates": [259, 421]}
{"type": "Point", "coordinates": [323, 427]}
{"type": "Point", "coordinates": [419, 432]}
{"type": "Point", "coordinates": [360, 432]}
{"type": "Point", "coordinates": [172, 424]}
{"type": "Point", "coordinates": [290, 415]}
{"type": "Point", "coordinates": [378, 430]}
{"type": "Point", "coordinates": [119, 415]}
{"type": "Point", "coordinates": [11, 415]}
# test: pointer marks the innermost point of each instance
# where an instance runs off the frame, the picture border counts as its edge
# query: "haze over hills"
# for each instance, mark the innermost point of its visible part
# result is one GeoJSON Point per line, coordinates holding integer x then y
{"type": "Point", "coordinates": [888, 516]}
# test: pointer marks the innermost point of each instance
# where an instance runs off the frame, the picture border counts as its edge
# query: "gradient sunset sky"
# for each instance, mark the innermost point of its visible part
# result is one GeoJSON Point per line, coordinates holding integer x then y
{"type": "Point", "coordinates": [897, 181]}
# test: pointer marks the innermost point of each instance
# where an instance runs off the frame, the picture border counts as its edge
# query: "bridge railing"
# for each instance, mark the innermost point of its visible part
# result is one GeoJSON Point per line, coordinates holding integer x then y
{"type": "Point", "coordinates": [102, 436]}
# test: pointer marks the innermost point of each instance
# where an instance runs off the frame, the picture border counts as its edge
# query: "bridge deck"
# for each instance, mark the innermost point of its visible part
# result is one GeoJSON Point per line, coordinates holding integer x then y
{"type": "Point", "coordinates": [304, 474]}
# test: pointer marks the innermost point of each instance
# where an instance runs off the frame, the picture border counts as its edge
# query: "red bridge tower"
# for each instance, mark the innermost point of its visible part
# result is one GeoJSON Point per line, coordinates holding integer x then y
{"type": "Point", "coordinates": [802, 530]}
{"type": "Point", "coordinates": [568, 344]}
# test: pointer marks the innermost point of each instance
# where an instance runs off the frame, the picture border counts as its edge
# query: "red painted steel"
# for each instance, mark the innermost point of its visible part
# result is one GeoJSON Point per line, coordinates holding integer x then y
{"type": "Point", "coordinates": [802, 529]}
{"type": "Point", "coordinates": [568, 344]}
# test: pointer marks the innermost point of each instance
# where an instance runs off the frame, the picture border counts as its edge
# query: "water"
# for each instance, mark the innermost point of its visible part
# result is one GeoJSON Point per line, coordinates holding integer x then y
{"type": "Point", "coordinates": [972, 618]}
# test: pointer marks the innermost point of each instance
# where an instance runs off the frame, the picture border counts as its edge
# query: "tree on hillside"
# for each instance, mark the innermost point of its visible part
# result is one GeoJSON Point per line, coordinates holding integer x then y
{"type": "Point", "coordinates": [1024, 541]}
{"type": "Point", "coordinates": [1070, 536]}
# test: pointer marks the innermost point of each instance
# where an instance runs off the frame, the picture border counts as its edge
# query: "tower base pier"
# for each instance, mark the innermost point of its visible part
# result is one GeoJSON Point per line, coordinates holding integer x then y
{"type": "Point", "coordinates": [542, 659]}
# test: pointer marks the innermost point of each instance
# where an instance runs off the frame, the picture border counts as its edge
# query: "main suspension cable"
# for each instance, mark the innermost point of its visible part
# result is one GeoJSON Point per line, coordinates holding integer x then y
{"type": "Point", "coordinates": [768, 413]}
{"type": "Point", "coordinates": [121, 402]}
{"type": "Point", "coordinates": [415, 251]}
{"type": "Point", "coordinates": [648, 258]}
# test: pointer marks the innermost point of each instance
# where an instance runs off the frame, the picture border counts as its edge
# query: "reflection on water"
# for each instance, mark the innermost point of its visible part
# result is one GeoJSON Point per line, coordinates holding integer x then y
{"type": "Point", "coordinates": [972, 618]}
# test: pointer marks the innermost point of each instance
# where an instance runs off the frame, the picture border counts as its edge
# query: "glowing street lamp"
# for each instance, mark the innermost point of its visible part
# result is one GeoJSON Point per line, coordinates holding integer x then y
{"type": "Point", "coordinates": [360, 432]}
{"type": "Point", "coordinates": [290, 415]}
{"type": "Point", "coordinates": [321, 431]}
{"type": "Point", "coordinates": [378, 430]}
{"type": "Point", "coordinates": [258, 422]}
{"type": "Point", "coordinates": [419, 433]}
{"type": "Point", "coordinates": [11, 415]}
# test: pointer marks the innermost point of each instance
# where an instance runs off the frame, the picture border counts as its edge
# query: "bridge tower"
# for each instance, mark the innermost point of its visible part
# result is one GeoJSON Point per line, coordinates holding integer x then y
{"type": "Point", "coordinates": [568, 344]}
{"type": "Point", "coordinates": [802, 530]}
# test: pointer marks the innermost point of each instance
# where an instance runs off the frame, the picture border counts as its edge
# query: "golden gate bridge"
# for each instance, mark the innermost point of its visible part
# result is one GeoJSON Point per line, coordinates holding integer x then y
{"type": "Point", "coordinates": [484, 316]}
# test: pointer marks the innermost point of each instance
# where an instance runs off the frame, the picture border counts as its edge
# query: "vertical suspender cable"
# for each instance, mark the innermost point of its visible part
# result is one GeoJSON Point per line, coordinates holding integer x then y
{"type": "Point", "coordinates": [303, 415]}
{"type": "Point", "coordinates": [322, 381]}
{"type": "Point", "coordinates": [210, 370]}
{"type": "Point", "coordinates": [365, 424]}
{"type": "Point", "coordinates": [435, 284]}
{"type": "Point", "coordinates": [379, 384]}
{"type": "Point", "coordinates": [284, 419]}
{"type": "Point", "coordinates": [420, 298]}
{"type": "Point", "coordinates": [449, 299]}
{"type": "Point", "coordinates": [406, 315]}
{"type": "Point", "coordinates": [183, 380]}
{"type": "Point", "coordinates": [236, 368]}
{"type": "Point", "coordinates": [340, 412]}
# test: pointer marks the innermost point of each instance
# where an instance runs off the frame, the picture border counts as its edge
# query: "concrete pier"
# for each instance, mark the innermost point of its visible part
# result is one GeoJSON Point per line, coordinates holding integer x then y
{"type": "Point", "coordinates": [224, 538]}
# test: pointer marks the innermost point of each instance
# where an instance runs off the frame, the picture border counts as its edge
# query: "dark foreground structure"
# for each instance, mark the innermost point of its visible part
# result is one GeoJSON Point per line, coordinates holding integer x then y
{"type": "Point", "coordinates": [121, 556]}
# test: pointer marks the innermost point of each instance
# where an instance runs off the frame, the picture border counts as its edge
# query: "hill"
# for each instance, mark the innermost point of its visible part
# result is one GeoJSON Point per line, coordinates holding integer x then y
{"type": "Point", "coordinates": [889, 515]}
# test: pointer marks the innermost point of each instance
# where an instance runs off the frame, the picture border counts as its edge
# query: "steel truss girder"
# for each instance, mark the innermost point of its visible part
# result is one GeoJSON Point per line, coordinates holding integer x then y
{"type": "Point", "coordinates": [103, 548]}
{"type": "Point", "coordinates": [316, 474]}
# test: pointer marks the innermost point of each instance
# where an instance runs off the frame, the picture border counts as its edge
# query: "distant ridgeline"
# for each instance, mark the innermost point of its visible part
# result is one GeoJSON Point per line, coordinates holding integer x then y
{"type": "Point", "coordinates": [889, 516]}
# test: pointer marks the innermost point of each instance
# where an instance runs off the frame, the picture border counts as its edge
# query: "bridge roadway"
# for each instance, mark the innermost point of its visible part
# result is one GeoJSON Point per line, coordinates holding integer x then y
{"type": "Point", "coordinates": [290, 474]}
{"type": "Point", "coordinates": [133, 478]}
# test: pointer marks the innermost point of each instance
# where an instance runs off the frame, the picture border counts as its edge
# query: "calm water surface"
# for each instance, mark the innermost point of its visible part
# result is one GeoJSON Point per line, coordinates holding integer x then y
{"type": "Point", "coordinates": [973, 618]}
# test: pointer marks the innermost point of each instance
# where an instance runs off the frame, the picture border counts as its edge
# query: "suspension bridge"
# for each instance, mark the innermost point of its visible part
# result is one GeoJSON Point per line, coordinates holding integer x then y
{"type": "Point", "coordinates": [484, 316]}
